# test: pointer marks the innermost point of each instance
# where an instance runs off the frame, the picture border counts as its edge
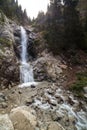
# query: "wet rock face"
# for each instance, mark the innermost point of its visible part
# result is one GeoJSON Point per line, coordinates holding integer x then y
{"type": "Point", "coordinates": [30, 43]}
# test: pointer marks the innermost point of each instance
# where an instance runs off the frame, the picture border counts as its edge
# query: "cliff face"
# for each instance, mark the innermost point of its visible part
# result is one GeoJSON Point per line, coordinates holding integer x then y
{"type": "Point", "coordinates": [8, 67]}
{"type": "Point", "coordinates": [10, 49]}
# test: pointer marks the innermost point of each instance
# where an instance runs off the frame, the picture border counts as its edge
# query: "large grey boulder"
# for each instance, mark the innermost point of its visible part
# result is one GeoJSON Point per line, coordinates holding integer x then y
{"type": "Point", "coordinates": [23, 118]}
{"type": "Point", "coordinates": [5, 123]}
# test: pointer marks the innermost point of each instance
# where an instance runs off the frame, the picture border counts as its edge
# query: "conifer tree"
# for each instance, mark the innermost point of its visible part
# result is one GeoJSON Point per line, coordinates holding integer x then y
{"type": "Point", "coordinates": [74, 36]}
{"type": "Point", "coordinates": [54, 34]}
{"type": "Point", "coordinates": [14, 11]}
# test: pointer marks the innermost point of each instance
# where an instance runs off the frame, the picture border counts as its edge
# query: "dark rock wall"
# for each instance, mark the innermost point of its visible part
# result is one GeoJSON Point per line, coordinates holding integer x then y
{"type": "Point", "coordinates": [30, 43]}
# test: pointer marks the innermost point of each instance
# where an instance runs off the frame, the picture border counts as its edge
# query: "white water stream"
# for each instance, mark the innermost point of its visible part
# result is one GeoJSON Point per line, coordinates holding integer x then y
{"type": "Point", "coordinates": [64, 109]}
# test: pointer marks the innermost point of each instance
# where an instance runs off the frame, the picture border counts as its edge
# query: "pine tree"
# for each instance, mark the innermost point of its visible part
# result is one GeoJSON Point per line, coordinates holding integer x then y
{"type": "Point", "coordinates": [14, 11]}
{"type": "Point", "coordinates": [54, 33]}
{"type": "Point", "coordinates": [74, 36]}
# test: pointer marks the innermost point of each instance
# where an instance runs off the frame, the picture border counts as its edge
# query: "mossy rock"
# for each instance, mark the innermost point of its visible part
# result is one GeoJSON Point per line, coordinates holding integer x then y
{"type": "Point", "coordinates": [2, 18]}
{"type": "Point", "coordinates": [5, 42]}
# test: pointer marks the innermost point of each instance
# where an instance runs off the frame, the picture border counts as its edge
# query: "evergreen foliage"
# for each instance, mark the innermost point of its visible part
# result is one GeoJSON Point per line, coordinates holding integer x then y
{"type": "Point", "coordinates": [14, 11]}
{"type": "Point", "coordinates": [54, 20]}
{"type": "Point", "coordinates": [40, 20]}
{"type": "Point", "coordinates": [74, 36]}
{"type": "Point", "coordinates": [62, 26]}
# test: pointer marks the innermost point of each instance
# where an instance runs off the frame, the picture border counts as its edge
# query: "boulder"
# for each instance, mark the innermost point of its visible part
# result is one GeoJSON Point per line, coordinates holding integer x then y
{"type": "Point", "coordinates": [3, 105]}
{"type": "Point", "coordinates": [55, 126]}
{"type": "Point", "coordinates": [47, 68]}
{"type": "Point", "coordinates": [5, 123]}
{"type": "Point", "coordinates": [23, 118]}
{"type": "Point", "coordinates": [2, 97]}
{"type": "Point", "coordinates": [53, 102]}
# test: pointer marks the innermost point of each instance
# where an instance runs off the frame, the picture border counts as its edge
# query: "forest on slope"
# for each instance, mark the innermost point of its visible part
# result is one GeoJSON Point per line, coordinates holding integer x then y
{"type": "Point", "coordinates": [64, 25]}
{"type": "Point", "coordinates": [14, 11]}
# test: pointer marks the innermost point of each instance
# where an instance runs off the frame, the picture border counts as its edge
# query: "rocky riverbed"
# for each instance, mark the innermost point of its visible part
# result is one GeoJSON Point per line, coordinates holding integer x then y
{"type": "Point", "coordinates": [43, 107]}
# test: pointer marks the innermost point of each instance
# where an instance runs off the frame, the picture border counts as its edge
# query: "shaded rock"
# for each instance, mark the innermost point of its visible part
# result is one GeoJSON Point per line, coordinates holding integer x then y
{"type": "Point", "coordinates": [85, 95]}
{"type": "Point", "coordinates": [2, 97]}
{"type": "Point", "coordinates": [23, 118]}
{"type": "Point", "coordinates": [62, 66]}
{"type": "Point", "coordinates": [55, 126]}
{"type": "Point", "coordinates": [28, 30]}
{"type": "Point", "coordinates": [17, 31]}
{"type": "Point", "coordinates": [51, 92]}
{"type": "Point", "coordinates": [47, 68]}
{"type": "Point", "coordinates": [20, 92]}
{"type": "Point", "coordinates": [72, 120]}
{"type": "Point", "coordinates": [56, 116]}
{"type": "Point", "coordinates": [29, 102]}
{"type": "Point", "coordinates": [33, 86]}
{"type": "Point", "coordinates": [9, 71]}
{"type": "Point", "coordinates": [5, 123]}
{"type": "Point", "coordinates": [53, 102]}
{"type": "Point", "coordinates": [3, 105]}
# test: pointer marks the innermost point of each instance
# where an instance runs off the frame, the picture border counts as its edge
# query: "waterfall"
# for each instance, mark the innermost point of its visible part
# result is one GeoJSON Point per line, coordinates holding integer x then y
{"type": "Point", "coordinates": [23, 45]}
{"type": "Point", "coordinates": [26, 71]}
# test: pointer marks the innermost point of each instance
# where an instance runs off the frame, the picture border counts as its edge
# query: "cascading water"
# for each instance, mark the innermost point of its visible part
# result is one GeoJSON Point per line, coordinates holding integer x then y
{"type": "Point", "coordinates": [26, 71]}
{"type": "Point", "coordinates": [24, 45]}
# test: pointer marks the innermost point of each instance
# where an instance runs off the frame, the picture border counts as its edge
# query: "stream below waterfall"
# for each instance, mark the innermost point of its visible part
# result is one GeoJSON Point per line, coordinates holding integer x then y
{"type": "Point", "coordinates": [65, 108]}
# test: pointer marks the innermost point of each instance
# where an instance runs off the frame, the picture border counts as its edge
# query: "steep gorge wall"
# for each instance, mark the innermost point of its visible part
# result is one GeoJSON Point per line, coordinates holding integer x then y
{"type": "Point", "coordinates": [8, 61]}
{"type": "Point", "coordinates": [10, 49]}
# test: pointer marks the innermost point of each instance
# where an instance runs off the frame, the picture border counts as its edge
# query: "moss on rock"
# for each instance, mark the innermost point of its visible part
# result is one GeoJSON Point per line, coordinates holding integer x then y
{"type": "Point", "coordinates": [5, 42]}
{"type": "Point", "coordinates": [2, 18]}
